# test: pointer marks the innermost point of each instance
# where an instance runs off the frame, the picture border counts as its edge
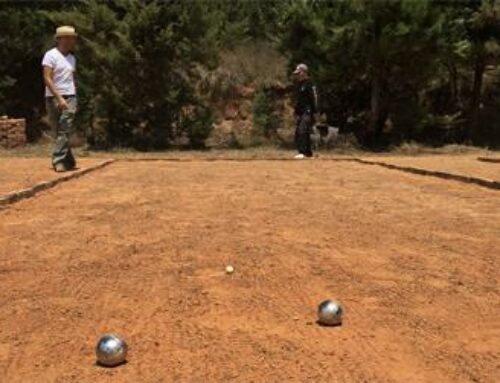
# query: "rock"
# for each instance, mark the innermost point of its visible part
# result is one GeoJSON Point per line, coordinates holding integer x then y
{"type": "Point", "coordinates": [230, 111]}
{"type": "Point", "coordinates": [247, 92]}
{"type": "Point", "coordinates": [245, 110]}
{"type": "Point", "coordinates": [12, 132]}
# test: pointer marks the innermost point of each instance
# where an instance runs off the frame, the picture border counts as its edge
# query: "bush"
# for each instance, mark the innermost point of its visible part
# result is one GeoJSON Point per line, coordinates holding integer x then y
{"type": "Point", "coordinates": [265, 118]}
{"type": "Point", "coordinates": [198, 124]}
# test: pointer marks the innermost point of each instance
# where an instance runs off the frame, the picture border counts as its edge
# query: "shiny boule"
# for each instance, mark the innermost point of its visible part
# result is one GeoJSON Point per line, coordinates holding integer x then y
{"type": "Point", "coordinates": [111, 350]}
{"type": "Point", "coordinates": [229, 269]}
{"type": "Point", "coordinates": [330, 313]}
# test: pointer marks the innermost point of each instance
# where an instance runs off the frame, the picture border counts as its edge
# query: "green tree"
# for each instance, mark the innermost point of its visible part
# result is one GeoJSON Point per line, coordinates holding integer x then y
{"type": "Point", "coordinates": [392, 69]}
{"type": "Point", "coordinates": [371, 57]}
{"type": "Point", "coordinates": [22, 39]}
{"type": "Point", "coordinates": [484, 33]}
{"type": "Point", "coordinates": [136, 63]}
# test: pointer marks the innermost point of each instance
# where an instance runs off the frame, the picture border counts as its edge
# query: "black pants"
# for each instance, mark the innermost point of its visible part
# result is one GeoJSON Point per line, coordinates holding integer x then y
{"type": "Point", "coordinates": [303, 130]}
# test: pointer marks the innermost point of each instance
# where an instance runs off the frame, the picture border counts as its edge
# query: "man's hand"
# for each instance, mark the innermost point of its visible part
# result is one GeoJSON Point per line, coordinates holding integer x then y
{"type": "Point", "coordinates": [62, 104]}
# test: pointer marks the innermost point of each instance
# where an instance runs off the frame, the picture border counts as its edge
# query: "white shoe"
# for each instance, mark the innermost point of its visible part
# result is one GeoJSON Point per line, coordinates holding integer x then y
{"type": "Point", "coordinates": [59, 167]}
{"type": "Point", "coordinates": [299, 156]}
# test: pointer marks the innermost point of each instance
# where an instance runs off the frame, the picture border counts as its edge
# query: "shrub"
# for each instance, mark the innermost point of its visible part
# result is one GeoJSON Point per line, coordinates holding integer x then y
{"type": "Point", "coordinates": [265, 118]}
{"type": "Point", "coordinates": [198, 124]}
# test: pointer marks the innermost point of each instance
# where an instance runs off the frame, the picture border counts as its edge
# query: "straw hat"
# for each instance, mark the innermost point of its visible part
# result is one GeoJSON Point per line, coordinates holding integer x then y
{"type": "Point", "coordinates": [66, 31]}
{"type": "Point", "coordinates": [301, 68]}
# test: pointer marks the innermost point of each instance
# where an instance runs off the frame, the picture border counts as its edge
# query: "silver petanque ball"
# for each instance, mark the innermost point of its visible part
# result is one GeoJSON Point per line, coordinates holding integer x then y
{"type": "Point", "coordinates": [111, 350]}
{"type": "Point", "coordinates": [330, 313]}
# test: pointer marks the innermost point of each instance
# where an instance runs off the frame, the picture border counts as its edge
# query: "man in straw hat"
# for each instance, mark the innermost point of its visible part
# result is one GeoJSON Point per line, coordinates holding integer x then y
{"type": "Point", "coordinates": [59, 66]}
{"type": "Point", "coordinates": [305, 109]}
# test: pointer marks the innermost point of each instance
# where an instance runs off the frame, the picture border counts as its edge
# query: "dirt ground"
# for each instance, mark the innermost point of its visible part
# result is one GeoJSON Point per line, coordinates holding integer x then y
{"type": "Point", "coordinates": [467, 165]}
{"type": "Point", "coordinates": [20, 173]}
{"type": "Point", "coordinates": [139, 248]}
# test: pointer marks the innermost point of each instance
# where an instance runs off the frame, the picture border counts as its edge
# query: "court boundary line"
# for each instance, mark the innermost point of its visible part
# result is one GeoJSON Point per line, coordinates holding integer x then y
{"type": "Point", "coordinates": [228, 159]}
{"type": "Point", "coordinates": [490, 160]}
{"type": "Point", "coordinates": [18, 195]}
{"type": "Point", "coordinates": [22, 194]}
{"type": "Point", "coordinates": [484, 182]}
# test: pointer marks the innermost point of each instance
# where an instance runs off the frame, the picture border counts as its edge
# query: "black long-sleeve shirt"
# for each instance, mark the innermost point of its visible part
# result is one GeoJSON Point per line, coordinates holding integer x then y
{"type": "Point", "coordinates": [307, 98]}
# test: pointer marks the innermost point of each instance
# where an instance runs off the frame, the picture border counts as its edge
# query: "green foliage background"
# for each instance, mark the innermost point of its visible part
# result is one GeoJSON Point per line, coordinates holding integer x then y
{"type": "Point", "coordinates": [387, 70]}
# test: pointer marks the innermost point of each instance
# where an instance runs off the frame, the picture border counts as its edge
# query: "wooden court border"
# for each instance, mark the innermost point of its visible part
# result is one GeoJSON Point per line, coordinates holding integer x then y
{"type": "Point", "coordinates": [19, 195]}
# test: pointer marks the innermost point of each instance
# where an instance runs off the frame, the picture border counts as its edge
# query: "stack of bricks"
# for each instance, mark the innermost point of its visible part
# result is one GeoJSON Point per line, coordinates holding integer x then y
{"type": "Point", "coordinates": [12, 132]}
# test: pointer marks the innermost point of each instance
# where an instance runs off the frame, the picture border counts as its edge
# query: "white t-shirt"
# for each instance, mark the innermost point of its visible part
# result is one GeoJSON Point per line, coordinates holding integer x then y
{"type": "Point", "coordinates": [63, 68]}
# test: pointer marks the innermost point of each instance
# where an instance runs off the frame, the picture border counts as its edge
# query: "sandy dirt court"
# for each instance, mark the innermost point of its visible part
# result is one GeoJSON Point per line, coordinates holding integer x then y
{"type": "Point", "coordinates": [139, 248]}
{"type": "Point", "coordinates": [467, 165]}
{"type": "Point", "coordinates": [20, 173]}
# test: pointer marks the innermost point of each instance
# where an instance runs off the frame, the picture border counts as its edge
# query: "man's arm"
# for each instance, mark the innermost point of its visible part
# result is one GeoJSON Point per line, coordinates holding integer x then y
{"type": "Point", "coordinates": [49, 82]}
{"type": "Point", "coordinates": [314, 99]}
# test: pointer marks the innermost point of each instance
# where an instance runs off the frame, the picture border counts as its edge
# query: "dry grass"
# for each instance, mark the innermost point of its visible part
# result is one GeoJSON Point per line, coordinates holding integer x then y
{"type": "Point", "coordinates": [255, 64]}
{"type": "Point", "coordinates": [31, 150]}
{"type": "Point", "coordinates": [259, 152]}
{"type": "Point", "coordinates": [259, 64]}
{"type": "Point", "coordinates": [415, 149]}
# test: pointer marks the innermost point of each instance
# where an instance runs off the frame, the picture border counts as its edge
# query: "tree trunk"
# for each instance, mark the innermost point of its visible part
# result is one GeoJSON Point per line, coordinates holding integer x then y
{"type": "Point", "coordinates": [479, 67]}
{"type": "Point", "coordinates": [375, 102]}
{"type": "Point", "coordinates": [378, 113]}
{"type": "Point", "coordinates": [453, 75]}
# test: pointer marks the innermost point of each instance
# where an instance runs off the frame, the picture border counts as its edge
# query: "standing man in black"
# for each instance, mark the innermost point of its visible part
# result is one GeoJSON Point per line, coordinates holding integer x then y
{"type": "Point", "coordinates": [305, 110]}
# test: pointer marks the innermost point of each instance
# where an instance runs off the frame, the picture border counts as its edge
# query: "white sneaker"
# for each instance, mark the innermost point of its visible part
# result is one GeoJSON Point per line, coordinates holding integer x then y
{"type": "Point", "coordinates": [299, 156]}
{"type": "Point", "coordinates": [59, 167]}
